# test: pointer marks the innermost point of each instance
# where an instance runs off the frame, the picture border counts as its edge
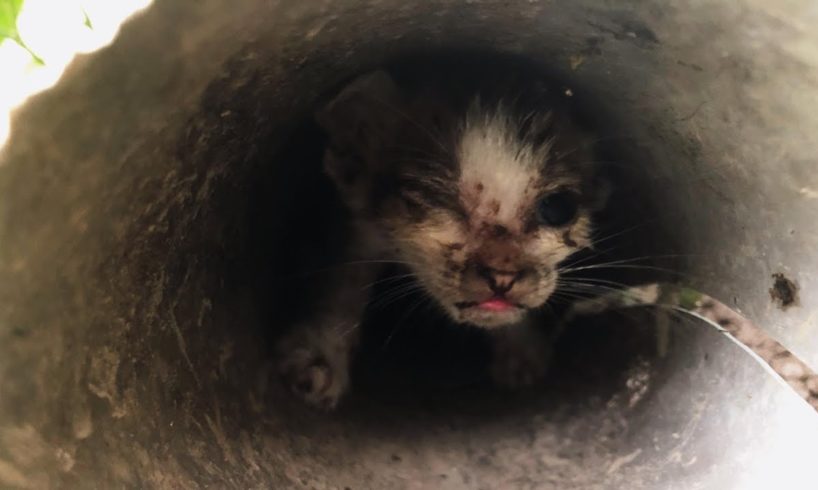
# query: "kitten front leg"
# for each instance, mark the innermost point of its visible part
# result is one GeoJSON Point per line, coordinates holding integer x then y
{"type": "Point", "coordinates": [314, 360]}
{"type": "Point", "coordinates": [521, 353]}
{"type": "Point", "coordinates": [315, 357]}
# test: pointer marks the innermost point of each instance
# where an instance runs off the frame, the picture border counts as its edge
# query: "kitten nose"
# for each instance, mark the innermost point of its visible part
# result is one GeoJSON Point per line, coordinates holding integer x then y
{"type": "Point", "coordinates": [500, 282]}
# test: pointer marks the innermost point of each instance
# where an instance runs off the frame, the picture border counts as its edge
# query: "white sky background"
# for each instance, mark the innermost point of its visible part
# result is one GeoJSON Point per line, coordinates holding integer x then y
{"type": "Point", "coordinates": [55, 31]}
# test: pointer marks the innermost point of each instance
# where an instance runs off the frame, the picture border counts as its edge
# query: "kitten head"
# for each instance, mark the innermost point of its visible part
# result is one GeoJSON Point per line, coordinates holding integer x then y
{"type": "Point", "coordinates": [483, 200]}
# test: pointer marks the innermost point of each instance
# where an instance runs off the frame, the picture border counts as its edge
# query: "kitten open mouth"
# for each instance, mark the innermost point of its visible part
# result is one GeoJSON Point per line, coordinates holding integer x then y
{"type": "Point", "coordinates": [494, 304]}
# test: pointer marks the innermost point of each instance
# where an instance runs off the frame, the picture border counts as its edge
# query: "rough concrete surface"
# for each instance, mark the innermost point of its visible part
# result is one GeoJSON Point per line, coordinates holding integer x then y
{"type": "Point", "coordinates": [132, 349]}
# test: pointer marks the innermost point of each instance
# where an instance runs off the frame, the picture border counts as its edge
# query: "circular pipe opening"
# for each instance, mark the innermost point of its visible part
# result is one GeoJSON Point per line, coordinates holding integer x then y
{"type": "Point", "coordinates": [294, 213]}
{"type": "Point", "coordinates": [143, 268]}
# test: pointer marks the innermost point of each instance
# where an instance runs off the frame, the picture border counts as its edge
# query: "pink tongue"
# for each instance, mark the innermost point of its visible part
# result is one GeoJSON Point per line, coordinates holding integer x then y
{"type": "Point", "coordinates": [495, 304]}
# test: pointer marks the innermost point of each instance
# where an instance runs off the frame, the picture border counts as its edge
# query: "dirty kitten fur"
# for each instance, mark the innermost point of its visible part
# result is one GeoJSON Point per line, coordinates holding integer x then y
{"type": "Point", "coordinates": [480, 192]}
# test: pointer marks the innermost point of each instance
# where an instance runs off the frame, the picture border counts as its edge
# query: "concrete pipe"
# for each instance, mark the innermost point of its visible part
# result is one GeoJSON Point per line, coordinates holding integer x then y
{"type": "Point", "coordinates": [133, 328]}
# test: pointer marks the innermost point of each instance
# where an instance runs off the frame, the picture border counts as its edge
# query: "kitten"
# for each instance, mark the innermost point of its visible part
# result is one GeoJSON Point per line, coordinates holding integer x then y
{"type": "Point", "coordinates": [481, 192]}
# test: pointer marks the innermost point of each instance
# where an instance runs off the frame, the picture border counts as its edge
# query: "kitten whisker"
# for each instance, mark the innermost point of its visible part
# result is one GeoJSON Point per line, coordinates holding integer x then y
{"type": "Point", "coordinates": [424, 299]}
{"type": "Point", "coordinates": [334, 267]}
{"type": "Point", "coordinates": [349, 330]}
{"type": "Point", "coordinates": [396, 295]}
{"type": "Point", "coordinates": [591, 255]}
{"type": "Point", "coordinates": [398, 277]}
{"type": "Point", "coordinates": [614, 297]}
{"type": "Point", "coordinates": [591, 280]}
{"type": "Point", "coordinates": [625, 266]}
{"type": "Point", "coordinates": [631, 260]}
{"type": "Point", "coordinates": [621, 232]}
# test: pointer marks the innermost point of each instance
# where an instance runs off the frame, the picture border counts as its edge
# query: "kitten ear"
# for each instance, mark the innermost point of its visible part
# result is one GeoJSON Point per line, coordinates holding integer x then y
{"type": "Point", "coordinates": [583, 151]}
{"type": "Point", "coordinates": [361, 117]}
{"type": "Point", "coordinates": [359, 121]}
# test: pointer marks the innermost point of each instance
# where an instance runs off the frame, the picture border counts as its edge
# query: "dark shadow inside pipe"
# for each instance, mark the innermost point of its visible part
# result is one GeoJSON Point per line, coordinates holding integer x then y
{"type": "Point", "coordinates": [408, 350]}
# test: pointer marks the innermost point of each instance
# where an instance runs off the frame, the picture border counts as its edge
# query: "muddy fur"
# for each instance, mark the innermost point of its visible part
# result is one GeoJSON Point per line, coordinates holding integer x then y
{"type": "Point", "coordinates": [479, 192]}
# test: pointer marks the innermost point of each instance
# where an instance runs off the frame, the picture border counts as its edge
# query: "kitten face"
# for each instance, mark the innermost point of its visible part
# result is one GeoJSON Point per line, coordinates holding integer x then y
{"type": "Point", "coordinates": [483, 204]}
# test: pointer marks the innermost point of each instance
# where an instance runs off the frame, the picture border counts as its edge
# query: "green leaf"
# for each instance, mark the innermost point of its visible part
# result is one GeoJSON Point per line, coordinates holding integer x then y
{"type": "Point", "coordinates": [87, 20]}
{"type": "Point", "coordinates": [9, 10]}
{"type": "Point", "coordinates": [689, 298]}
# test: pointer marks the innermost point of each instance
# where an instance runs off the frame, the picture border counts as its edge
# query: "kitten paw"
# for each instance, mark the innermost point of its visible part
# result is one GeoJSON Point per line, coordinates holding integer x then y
{"type": "Point", "coordinates": [517, 365]}
{"type": "Point", "coordinates": [319, 379]}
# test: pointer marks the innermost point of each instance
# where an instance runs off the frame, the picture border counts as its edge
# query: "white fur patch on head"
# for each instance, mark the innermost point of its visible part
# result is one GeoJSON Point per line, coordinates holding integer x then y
{"type": "Point", "coordinates": [498, 169]}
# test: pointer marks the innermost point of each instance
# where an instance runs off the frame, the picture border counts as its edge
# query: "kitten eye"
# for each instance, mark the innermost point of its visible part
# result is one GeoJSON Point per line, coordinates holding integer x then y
{"type": "Point", "coordinates": [558, 209]}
